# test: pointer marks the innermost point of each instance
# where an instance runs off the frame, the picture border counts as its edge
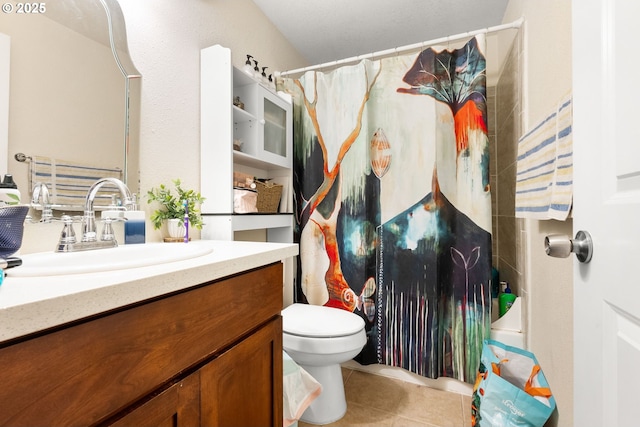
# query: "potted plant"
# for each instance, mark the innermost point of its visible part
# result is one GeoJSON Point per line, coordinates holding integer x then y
{"type": "Point", "coordinates": [173, 207]}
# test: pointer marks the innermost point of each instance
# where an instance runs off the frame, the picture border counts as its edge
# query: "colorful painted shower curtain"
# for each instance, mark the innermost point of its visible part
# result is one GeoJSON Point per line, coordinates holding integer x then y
{"type": "Point", "coordinates": [391, 179]}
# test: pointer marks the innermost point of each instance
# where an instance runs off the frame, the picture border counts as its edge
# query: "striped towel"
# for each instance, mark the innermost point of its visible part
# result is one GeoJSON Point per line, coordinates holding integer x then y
{"type": "Point", "coordinates": [69, 182]}
{"type": "Point", "coordinates": [544, 177]}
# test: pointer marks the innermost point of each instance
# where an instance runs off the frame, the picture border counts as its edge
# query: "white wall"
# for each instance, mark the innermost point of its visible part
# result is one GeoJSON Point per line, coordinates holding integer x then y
{"type": "Point", "coordinates": [165, 39]}
{"type": "Point", "coordinates": [549, 281]}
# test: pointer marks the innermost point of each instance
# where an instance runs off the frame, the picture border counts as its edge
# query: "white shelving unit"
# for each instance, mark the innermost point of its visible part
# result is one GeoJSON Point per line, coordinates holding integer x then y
{"type": "Point", "coordinates": [265, 128]}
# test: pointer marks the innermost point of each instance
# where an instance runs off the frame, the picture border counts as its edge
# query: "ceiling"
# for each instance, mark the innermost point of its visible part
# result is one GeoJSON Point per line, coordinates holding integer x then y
{"type": "Point", "coordinates": [328, 30]}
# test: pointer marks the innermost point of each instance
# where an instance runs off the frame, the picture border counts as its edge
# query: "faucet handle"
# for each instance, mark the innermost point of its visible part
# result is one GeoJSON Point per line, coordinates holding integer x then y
{"type": "Point", "coordinates": [107, 231]}
{"type": "Point", "coordinates": [68, 234]}
{"type": "Point", "coordinates": [47, 214]}
{"type": "Point", "coordinates": [40, 196]}
{"type": "Point", "coordinates": [40, 192]}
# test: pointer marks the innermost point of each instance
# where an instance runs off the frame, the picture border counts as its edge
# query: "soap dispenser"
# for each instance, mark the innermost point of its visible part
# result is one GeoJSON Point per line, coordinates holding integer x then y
{"type": "Point", "coordinates": [247, 68]}
{"type": "Point", "coordinates": [134, 225]}
{"type": "Point", "coordinates": [256, 71]}
{"type": "Point", "coordinates": [9, 193]}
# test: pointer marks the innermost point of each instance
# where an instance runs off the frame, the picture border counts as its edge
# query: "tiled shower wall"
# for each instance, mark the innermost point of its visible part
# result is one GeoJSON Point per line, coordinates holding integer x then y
{"type": "Point", "coordinates": [505, 127]}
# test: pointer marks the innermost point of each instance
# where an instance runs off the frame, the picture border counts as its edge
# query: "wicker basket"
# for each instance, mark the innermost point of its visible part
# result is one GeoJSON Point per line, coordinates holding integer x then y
{"type": "Point", "coordinates": [269, 195]}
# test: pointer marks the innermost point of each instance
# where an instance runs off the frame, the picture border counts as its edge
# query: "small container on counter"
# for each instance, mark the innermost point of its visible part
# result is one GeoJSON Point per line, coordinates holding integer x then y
{"type": "Point", "coordinates": [134, 226]}
{"type": "Point", "coordinates": [9, 193]}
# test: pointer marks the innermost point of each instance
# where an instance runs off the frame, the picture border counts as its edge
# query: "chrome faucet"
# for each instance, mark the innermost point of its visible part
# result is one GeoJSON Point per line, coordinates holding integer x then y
{"type": "Point", "coordinates": [89, 240]}
{"type": "Point", "coordinates": [89, 217]}
{"type": "Point", "coordinates": [40, 196]}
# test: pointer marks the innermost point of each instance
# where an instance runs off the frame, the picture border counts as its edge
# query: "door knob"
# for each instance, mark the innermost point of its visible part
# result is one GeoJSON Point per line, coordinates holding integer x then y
{"type": "Point", "coordinates": [561, 246]}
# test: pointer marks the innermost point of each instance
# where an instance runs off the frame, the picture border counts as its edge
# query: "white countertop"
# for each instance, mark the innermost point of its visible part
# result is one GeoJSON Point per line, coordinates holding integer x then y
{"type": "Point", "coordinates": [31, 304]}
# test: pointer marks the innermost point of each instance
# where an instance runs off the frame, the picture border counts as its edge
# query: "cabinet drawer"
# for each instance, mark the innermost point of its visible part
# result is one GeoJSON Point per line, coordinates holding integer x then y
{"type": "Point", "coordinates": [86, 372]}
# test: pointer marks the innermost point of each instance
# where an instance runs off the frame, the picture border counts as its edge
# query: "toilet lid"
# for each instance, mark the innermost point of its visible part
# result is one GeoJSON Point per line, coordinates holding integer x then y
{"type": "Point", "coordinates": [319, 321]}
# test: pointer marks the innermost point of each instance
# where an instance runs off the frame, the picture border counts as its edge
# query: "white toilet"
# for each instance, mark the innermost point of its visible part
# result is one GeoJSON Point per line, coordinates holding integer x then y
{"type": "Point", "coordinates": [319, 339]}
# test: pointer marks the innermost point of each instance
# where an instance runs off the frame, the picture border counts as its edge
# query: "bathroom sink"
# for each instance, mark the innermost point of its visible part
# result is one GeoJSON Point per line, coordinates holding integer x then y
{"type": "Point", "coordinates": [104, 260]}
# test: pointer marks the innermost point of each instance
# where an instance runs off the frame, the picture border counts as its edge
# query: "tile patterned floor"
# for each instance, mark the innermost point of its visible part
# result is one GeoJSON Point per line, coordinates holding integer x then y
{"type": "Point", "coordinates": [378, 401]}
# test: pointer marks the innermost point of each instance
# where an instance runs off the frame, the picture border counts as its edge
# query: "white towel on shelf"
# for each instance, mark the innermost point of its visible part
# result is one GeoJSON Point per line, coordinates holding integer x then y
{"type": "Point", "coordinates": [68, 182]}
{"type": "Point", "coordinates": [544, 177]}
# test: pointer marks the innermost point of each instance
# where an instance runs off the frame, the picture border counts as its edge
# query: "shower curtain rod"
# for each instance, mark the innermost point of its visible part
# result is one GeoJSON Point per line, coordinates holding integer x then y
{"type": "Point", "coordinates": [513, 25]}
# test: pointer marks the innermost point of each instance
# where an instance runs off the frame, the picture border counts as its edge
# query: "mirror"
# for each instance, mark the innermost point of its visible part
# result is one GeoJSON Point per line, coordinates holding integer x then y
{"type": "Point", "coordinates": [73, 94]}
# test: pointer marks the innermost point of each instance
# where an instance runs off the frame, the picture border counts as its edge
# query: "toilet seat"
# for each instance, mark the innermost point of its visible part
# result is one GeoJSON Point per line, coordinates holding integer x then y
{"type": "Point", "coordinates": [315, 321]}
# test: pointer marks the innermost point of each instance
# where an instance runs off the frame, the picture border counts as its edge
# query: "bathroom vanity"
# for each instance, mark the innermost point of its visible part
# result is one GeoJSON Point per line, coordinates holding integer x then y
{"type": "Point", "coordinates": [191, 342]}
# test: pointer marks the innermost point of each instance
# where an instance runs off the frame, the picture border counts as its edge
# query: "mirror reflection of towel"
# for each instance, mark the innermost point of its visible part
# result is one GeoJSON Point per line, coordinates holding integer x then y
{"type": "Point", "coordinates": [69, 182]}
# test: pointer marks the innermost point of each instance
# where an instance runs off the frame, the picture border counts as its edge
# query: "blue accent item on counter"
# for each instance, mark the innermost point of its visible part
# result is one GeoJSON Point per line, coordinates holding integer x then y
{"type": "Point", "coordinates": [134, 230]}
{"type": "Point", "coordinates": [11, 228]}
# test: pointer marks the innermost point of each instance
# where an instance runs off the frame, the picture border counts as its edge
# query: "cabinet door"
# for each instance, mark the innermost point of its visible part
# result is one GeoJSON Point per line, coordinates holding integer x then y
{"type": "Point", "coordinates": [179, 405]}
{"type": "Point", "coordinates": [275, 140]}
{"type": "Point", "coordinates": [243, 386]}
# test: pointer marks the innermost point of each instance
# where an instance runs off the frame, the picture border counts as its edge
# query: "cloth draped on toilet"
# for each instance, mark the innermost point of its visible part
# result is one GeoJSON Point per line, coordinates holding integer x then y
{"type": "Point", "coordinates": [300, 389]}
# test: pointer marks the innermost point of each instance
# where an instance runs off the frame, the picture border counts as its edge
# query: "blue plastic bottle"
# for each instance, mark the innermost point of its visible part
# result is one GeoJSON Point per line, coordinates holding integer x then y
{"type": "Point", "coordinates": [134, 226]}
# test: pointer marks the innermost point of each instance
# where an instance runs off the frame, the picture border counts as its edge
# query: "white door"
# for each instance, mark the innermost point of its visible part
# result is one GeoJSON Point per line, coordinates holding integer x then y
{"type": "Point", "coordinates": [606, 87]}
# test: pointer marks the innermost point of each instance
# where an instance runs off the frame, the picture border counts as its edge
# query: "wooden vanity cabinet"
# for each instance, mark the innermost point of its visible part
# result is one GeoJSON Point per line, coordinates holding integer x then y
{"type": "Point", "coordinates": [209, 355]}
{"type": "Point", "coordinates": [178, 405]}
{"type": "Point", "coordinates": [230, 384]}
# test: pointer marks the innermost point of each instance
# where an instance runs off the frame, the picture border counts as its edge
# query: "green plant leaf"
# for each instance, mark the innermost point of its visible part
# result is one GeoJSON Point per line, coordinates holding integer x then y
{"type": "Point", "coordinates": [173, 205]}
{"type": "Point", "coordinates": [15, 200]}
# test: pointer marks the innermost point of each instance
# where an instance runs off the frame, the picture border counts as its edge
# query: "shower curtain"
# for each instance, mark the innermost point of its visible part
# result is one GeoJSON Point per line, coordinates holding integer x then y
{"type": "Point", "coordinates": [393, 208]}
